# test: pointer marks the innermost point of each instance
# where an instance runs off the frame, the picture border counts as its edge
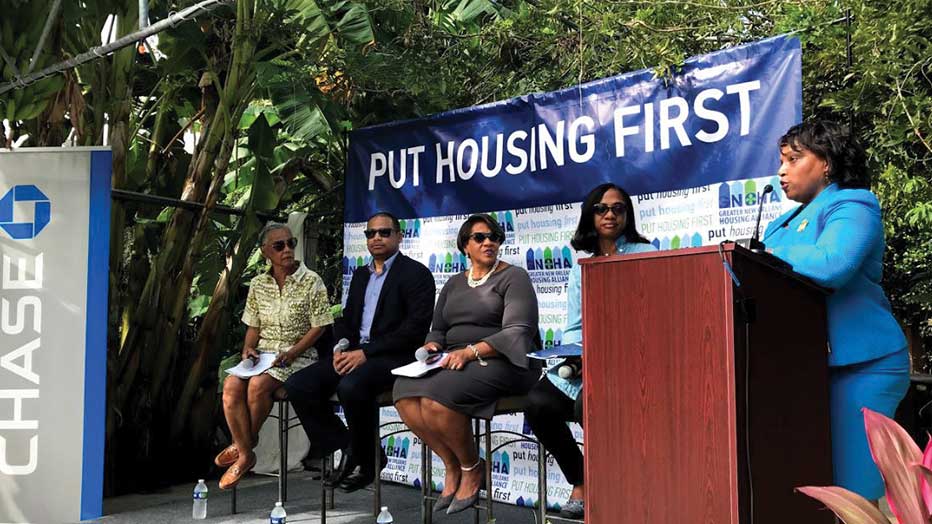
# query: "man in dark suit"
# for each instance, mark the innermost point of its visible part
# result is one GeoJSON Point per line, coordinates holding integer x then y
{"type": "Point", "coordinates": [386, 318]}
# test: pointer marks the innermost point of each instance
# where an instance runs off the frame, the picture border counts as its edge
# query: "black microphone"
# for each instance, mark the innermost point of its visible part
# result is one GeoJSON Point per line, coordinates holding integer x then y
{"type": "Point", "coordinates": [755, 243]}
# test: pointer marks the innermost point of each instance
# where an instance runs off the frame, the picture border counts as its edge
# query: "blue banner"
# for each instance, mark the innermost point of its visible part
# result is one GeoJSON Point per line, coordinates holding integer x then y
{"type": "Point", "coordinates": [716, 120]}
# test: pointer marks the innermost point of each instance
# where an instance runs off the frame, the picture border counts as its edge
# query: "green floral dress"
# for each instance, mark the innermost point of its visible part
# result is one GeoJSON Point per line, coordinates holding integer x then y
{"type": "Point", "coordinates": [284, 316]}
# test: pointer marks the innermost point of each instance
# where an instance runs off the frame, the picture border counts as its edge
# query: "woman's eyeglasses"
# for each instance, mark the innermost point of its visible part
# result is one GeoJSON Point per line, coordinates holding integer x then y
{"type": "Point", "coordinates": [384, 232]}
{"type": "Point", "coordinates": [494, 237]}
{"type": "Point", "coordinates": [279, 245]}
{"type": "Point", "coordinates": [617, 208]}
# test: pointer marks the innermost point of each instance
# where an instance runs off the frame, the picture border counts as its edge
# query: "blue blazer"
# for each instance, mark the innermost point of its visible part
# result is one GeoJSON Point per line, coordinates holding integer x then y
{"type": "Point", "coordinates": [837, 241]}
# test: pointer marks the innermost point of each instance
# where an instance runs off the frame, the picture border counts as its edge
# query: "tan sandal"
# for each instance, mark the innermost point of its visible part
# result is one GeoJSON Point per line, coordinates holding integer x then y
{"type": "Point", "coordinates": [236, 473]}
{"type": "Point", "coordinates": [227, 457]}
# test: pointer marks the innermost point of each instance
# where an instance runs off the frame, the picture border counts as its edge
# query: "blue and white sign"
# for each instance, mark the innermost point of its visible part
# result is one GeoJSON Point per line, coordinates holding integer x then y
{"type": "Point", "coordinates": [54, 249]}
{"type": "Point", "coordinates": [694, 151]}
{"type": "Point", "coordinates": [717, 120]}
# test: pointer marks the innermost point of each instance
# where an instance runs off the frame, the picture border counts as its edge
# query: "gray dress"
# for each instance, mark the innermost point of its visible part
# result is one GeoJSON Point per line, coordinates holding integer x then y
{"type": "Point", "coordinates": [501, 312]}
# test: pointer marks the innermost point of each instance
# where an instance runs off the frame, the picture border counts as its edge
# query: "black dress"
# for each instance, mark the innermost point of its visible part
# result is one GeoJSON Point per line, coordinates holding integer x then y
{"type": "Point", "coordinates": [502, 312]}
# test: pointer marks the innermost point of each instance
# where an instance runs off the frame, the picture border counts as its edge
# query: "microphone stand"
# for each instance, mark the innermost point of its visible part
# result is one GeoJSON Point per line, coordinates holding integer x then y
{"type": "Point", "coordinates": [755, 244]}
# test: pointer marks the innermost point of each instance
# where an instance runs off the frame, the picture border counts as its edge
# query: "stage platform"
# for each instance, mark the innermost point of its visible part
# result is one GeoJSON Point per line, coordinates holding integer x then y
{"type": "Point", "coordinates": [257, 495]}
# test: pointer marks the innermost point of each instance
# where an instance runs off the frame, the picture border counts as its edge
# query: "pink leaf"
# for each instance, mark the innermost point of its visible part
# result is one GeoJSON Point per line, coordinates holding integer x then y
{"type": "Point", "coordinates": [850, 507]}
{"type": "Point", "coordinates": [895, 454]}
{"type": "Point", "coordinates": [925, 478]}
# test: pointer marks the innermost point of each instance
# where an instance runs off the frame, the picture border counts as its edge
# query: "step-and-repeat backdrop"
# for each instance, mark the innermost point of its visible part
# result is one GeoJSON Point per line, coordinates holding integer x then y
{"type": "Point", "coordinates": [694, 151]}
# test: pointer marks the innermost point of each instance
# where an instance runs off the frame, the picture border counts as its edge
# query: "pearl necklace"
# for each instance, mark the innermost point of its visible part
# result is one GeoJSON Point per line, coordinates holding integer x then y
{"type": "Point", "coordinates": [476, 283]}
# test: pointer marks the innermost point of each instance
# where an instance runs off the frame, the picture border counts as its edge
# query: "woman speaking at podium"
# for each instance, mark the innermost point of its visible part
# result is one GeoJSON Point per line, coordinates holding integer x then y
{"type": "Point", "coordinates": [836, 238]}
{"type": "Point", "coordinates": [606, 227]}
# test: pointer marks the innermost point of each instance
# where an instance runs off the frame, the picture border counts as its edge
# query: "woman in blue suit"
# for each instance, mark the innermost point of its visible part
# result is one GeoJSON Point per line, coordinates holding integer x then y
{"type": "Point", "coordinates": [606, 227]}
{"type": "Point", "coordinates": [836, 238]}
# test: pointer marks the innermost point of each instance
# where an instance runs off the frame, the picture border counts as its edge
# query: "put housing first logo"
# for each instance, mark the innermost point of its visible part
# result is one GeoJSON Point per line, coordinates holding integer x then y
{"type": "Point", "coordinates": [21, 331]}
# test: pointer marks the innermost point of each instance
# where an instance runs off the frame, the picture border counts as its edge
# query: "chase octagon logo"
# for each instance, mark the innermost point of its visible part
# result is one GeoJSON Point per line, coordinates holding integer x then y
{"type": "Point", "coordinates": [42, 212]}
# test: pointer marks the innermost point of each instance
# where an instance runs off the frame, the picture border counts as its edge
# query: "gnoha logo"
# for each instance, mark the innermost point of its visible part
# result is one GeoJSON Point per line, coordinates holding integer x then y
{"type": "Point", "coordinates": [548, 258]}
{"type": "Point", "coordinates": [746, 194]}
{"type": "Point", "coordinates": [447, 263]}
{"type": "Point", "coordinates": [41, 212]}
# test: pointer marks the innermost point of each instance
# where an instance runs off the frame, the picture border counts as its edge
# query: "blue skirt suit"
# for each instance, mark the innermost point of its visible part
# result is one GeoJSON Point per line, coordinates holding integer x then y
{"type": "Point", "coordinates": [837, 241]}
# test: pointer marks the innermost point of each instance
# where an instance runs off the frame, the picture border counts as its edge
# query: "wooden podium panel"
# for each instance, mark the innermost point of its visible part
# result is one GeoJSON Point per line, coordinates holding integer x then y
{"type": "Point", "coordinates": [668, 390]}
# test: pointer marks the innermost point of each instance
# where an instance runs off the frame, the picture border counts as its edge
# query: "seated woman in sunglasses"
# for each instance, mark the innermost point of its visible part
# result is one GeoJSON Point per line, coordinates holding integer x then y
{"type": "Point", "coordinates": [486, 320]}
{"type": "Point", "coordinates": [606, 227]}
{"type": "Point", "coordinates": [286, 311]}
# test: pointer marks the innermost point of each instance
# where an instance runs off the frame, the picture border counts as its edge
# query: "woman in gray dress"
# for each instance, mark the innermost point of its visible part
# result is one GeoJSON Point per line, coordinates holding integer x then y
{"type": "Point", "coordinates": [486, 320]}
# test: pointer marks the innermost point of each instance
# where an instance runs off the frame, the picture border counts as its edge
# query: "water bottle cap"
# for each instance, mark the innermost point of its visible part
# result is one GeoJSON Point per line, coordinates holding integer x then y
{"type": "Point", "coordinates": [278, 504]}
{"type": "Point", "coordinates": [384, 508]}
{"type": "Point", "coordinates": [200, 481]}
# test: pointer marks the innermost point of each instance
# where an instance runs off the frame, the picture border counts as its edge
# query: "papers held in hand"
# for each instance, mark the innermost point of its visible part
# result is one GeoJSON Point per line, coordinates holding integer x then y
{"type": "Point", "coordinates": [561, 351]}
{"type": "Point", "coordinates": [250, 368]}
{"type": "Point", "coordinates": [419, 368]}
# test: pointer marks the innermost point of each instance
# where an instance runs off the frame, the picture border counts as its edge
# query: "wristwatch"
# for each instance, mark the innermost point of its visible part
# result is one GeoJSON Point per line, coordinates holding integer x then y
{"type": "Point", "coordinates": [475, 351]}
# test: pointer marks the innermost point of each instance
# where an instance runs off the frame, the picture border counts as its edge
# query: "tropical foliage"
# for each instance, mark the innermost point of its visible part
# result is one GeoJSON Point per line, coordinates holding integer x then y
{"type": "Point", "coordinates": [905, 471]}
{"type": "Point", "coordinates": [248, 106]}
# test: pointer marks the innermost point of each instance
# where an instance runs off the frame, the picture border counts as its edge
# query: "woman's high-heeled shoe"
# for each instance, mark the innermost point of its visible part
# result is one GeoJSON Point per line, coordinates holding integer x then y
{"type": "Point", "coordinates": [443, 502]}
{"type": "Point", "coordinates": [461, 504]}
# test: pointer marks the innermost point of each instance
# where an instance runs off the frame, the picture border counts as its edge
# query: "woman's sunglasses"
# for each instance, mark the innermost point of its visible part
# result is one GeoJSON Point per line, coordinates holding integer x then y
{"type": "Point", "coordinates": [384, 232]}
{"type": "Point", "coordinates": [480, 237]}
{"type": "Point", "coordinates": [618, 208]}
{"type": "Point", "coordinates": [279, 245]}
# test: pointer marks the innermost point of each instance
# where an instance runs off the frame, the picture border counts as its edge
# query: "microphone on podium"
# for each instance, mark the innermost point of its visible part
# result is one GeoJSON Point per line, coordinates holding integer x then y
{"type": "Point", "coordinates": [341, 346]}
{"type": "Point", "coordinates": [755, 244]}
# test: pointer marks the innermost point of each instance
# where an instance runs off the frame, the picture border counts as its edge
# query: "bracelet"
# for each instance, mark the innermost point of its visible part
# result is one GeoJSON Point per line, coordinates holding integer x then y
{"type": "Point", "coordinates": [475, 351]}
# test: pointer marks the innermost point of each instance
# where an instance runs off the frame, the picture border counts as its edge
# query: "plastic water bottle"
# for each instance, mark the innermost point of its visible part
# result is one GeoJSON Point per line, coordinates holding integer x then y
{"type": "Point", "coordinates": [278, 514]}
{"type": "Point", "coordinates": [200, 501]}
{"type": "Point", "coordinates": [384, 517]}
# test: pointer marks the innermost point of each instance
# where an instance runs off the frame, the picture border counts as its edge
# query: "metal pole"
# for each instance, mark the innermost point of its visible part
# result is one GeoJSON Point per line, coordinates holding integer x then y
{"type": "Point", "coordinates": [542, 482]}
{"type": "Point", "coordinates": [131, 196]}
{"type": "Point", "coordinates": [45, 34]}
{"type": "Point", "coordinates": [131, 39]}
{"type": "Point", "coordinates": [143, 14]}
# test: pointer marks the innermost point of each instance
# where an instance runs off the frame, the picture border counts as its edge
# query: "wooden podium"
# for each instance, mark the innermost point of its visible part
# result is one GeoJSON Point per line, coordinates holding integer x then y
{"type": "Point", "coordinates": [692, 414]}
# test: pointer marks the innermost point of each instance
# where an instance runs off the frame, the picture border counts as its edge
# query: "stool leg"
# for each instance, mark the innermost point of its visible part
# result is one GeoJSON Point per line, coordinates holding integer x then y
{"type": "Point", "coordinates": [282, 451]}
{"type": "Point", "coordinates": [377, 500]}
{"type": "Point", "coordinates": [430, 483]}
{"type": "Point", "coordinates": [488, 470]}
{"type": "Point", "coordinates": [233, 501]}
{"type": "Point", "coordinates": [324, 467]}
{"type": "Point", "coordinates": [476, 435]}
{"type": "Point", "coordinates": [542, 481]}
{"type": "Point", "coordinates": [333, 500]}
{"type": "Point", "coordinates": [425, 487]}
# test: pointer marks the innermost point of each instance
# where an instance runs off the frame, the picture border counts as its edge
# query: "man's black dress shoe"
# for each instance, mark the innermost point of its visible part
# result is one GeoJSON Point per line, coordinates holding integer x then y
{"type": "Point", "coordinates": [343, 470]}
{"type": "Point", "coordinates": [361, 478]}
{"type": "Point", "coordinates": [356, 481]}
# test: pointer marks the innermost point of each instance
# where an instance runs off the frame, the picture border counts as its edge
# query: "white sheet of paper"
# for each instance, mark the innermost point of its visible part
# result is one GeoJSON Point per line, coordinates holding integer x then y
{"type": "Point", "coordinates": [244, 370]}
{"type": "Point", "coordinates": [419, 369]}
